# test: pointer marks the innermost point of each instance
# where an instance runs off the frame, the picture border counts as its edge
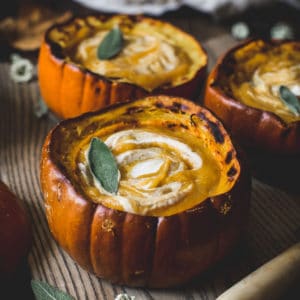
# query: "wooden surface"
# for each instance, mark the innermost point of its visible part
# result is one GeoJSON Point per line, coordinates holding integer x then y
{"type": "Point", "coordinates": [274, 221]}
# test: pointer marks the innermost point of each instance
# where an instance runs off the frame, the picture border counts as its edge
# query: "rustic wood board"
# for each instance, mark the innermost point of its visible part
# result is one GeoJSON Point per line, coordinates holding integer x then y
{"type": "Point", "coordinates": [274, 216]}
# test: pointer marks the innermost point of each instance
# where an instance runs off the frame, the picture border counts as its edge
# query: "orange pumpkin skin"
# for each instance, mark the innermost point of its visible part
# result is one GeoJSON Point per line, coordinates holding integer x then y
{"type": "Point", "coordinates": [15, 233]}
{"type": "Point", "coordinates": [252, 127]}
{"type": "Point", "coordinates": [70, 90]}
{"type": "Point", "coordinates": [137, 250]}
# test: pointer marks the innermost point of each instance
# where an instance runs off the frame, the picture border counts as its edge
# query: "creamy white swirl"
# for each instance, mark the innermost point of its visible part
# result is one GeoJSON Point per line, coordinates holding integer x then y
{"type": "Point", "coordinates": [146, 60]}
{"type": "Point", "coordinates": [150, 165]}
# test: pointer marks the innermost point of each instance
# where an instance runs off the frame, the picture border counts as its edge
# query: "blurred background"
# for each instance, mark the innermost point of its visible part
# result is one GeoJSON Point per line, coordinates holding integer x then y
{"type": "Point", "coordinates": [22, 23]}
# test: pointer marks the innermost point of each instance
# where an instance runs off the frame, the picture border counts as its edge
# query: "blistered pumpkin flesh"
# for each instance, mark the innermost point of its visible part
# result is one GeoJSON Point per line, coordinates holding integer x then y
{"type": "Point", "coordinates": [259, 70]}
{"type": "Point", "coordinates": [168, 162]}
{"type": "Point", "coordinates": [154, 53]}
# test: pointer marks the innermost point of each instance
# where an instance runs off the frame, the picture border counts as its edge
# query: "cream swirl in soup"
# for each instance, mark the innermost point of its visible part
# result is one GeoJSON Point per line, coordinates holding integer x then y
{"type": "Point", "coordinates": [146, 60]}
{"type": "Point", "coordinates": [156, 171]}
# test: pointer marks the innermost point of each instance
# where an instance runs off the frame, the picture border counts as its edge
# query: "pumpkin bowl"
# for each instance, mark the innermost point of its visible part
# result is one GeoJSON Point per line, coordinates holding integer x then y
{"type": "Point", "coordinates": [182, 200]}
{"type": "Point", "coordinates": [243, 91]}
{"type": "Point", "coordinates": [15, 234]}
{"type": "Point", "coordinates": [156, 58]}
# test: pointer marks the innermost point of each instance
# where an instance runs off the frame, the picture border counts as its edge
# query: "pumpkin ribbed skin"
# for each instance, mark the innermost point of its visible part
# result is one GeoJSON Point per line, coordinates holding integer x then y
{"type": "Point", "coordinates": [252, 127]}
{"type": "Point", "coordinates": [15, 233]}
{"type": "Point", "coordinates": [70, 89]}
{"type": "Point", "coordinates": [138, 250]}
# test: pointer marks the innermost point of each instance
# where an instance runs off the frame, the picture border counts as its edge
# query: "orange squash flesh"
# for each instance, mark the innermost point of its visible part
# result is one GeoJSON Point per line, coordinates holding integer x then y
{"type": "Point", "coordinates": [164, 248]}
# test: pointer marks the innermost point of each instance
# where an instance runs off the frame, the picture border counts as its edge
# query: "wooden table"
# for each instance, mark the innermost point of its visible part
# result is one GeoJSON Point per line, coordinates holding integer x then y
{"type": "Point", "coordinates": [274, 217]}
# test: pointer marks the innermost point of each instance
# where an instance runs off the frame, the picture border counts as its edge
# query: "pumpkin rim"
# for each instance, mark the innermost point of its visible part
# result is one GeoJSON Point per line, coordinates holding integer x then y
{"type": "Point", "coordinates": [56, 51]}
{"type": "Point", "coordinates": [60, 168]}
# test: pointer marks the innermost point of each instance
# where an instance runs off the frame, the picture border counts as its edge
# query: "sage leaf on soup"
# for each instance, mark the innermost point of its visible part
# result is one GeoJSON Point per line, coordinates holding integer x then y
{"type": "Point", "coordinates": [111, 44]}
{"type": "Point", "coordinates": [44, 291]}
{"type": "Point", "coordinates": [103, 165]}
{"type": "Point", "coordinates": [290, 100]}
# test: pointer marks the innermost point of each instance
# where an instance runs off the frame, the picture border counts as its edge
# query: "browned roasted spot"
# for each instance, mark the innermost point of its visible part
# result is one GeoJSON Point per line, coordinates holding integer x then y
{"type": "Point", "coordinates": [159, 105]}
{"type": "Point", "coordinates": [229, 157]}
{"type": "Point", "coordinates": [134, 109]}
{"type": "Point", "coordinates": [192, 121]}
{"type": "Point", "coordinates": [232, 171]}
{"type": "Point", "coordinates": [171, 125]}
{"type": "Point", "coordinates": [90, 128]}
{"type": "Point", "coordinates": [214, 129]}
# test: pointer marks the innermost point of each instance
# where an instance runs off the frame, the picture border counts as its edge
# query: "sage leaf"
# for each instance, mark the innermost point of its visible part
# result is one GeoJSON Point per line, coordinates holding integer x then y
{"type": "Point", "coordinates": [111, 44]}
{"type": "Point", "coordinates": [44, 291]}
{"type": "Point", "coordinates": [290, 100]}
{"type": "Point", "coordinates": [103, 165]}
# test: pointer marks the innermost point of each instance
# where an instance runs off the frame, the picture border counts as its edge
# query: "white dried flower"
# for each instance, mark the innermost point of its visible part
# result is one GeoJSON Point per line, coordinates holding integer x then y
{"type": "Point", "coordinates": [240, 30]}
{"type": "Point", "coordinates": [21, 69]}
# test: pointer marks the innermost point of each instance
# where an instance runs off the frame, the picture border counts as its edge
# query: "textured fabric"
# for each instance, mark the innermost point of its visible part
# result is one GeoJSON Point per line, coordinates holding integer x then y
{"type": "Point", "coordinates": [273, 223]}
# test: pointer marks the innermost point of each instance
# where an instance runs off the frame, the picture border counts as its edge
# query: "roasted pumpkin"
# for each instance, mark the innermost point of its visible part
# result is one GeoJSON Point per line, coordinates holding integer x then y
{"type": "Point", "coordinates": [243, 90]}
{"type": "Point", "coordinates": [182, 200]}
{"type": "Point", "coordinates": [15, 233]}
{"type": "Point", "coordinates": [156, 57]}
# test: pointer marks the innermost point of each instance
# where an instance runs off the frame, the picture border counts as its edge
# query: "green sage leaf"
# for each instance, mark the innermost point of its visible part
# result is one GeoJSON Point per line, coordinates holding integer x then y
{"type": "Point", "coordinates": [44, 291]}
{"type": "Point", "coordinates": [103, 165]}
{"type": "Point", "coordinates": [111, 45]}
{"type": "Point", "coordinates": [290, 100]}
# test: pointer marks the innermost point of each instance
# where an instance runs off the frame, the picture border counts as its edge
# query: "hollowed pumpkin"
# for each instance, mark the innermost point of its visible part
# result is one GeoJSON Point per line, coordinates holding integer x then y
{"type": "Point", "coordinates": [183, 193]}
{"type": "Point", "coordinates": [156, 58]}
{"type": "Point", "coordinates": [243, 90]}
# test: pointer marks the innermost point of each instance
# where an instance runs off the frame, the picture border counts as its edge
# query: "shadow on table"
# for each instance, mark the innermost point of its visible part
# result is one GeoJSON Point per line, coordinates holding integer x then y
{"type": "Point", "coordinates": [276, 170]}
{"type": "Point", "coordinates": [233, 268]}
{"type": "Point", "coordinates": [18, 287]}
{"type": "Point", "coordinates": [237, 264]}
